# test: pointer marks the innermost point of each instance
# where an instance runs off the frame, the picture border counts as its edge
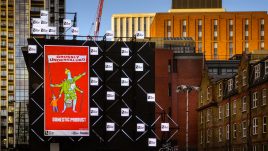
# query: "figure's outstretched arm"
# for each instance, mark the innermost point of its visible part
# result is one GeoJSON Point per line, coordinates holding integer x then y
{"type": "Point", "coordinates": [56, 85]}
{"type": "Point", "coordinates": [79, 76]}
{"type": "Point", "coordinates": [77, 89]}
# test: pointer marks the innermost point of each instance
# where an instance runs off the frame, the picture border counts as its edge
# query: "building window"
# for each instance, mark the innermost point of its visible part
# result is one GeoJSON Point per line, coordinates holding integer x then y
{"type": "Point", "coordinates": [184, 33]}
{"type": "Point", "coordinates": [201, 117]}
{"type": "Point", "coordinates": [262, 29]}
{"type": "Point", "coordinates": [227, 132]}
{"type": "Point", "coordinates": [220, 89]}
{"type": "Point", "coordinates": [264, 147]}
{"type": "Point", "coordinates": [199, 29]}
{"type": "Point", "coordinates": [168, 28]}
{"type": "Point", "coordinates": [262, 45]}
{"type": "Point", "coordinates": [230, 29]}
{"type": "Point", "coordinates": [230, 85]}
{"type": "Point", "coordinates": [255, 126]}
{"type": "Point", "coordinates": [254, 100]}
{"type": "Point", "coordinates": [121, 27]}
{"type": "Point", "coordinates": [254, 148]}
{"type": "Point", "coordinates": [244, 129]}
{"type": "Point", "coordinates": [234, 107]}
{"type": "Point", "coordinates": [208, 93]}
{"type": "Point", "coordinates": [264, 98]}
{"type": "Point", "coordinates": [246, 29]}
{"type": "Point", "coordinates": [220, 134]}
{"type": "Point", "coordinates": [230, 49]}
{"type": "Point", "coordinates": [244, 78]}
{"type": "Point", "coordinates": [208, 115]}
{"type": "Point", "coordinates": [246, 47]}
{"type": "Point", "coordinates": [200, 47]}
{"type": "Point", "coordinates": [236, 82]}
{"type": "Point", "coordinates": [235, 130]}
{"type": "Point", "coordinates": [133, 26]}
{"type": "Point", "coordinates": [227, 109]}
{"type": "Point", "coordinates": [264, 124]}
{"type": "Point", "coordinates": [215, 50]}
{"type": "Point", "coordinates": [220, 112]}
{"type": "Point", "coordinates": [215, 21]}
{"type": "Point", "coordinates": [208, 135]}
{"type": "Point", "coordinates": [127, 27]}
{"type": "Point", "coordinates": [201, 137]}
{"type": "Point", "coordinates": [244, 104]}
{"type": "Point", "coordinates": [266, 67]}
{"type": "Point", "coordinates": [139, 23]}
{"type": "Point", "coordinates": [145, 26]}
{"type": "Point", "coordinates": [257, 71]}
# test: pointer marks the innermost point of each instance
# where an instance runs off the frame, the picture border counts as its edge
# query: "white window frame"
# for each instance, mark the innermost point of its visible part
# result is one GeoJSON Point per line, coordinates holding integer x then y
{"type": "Point", "coordinates": [254, 99]}
{"type": "Point", "coordinates": [230, 85]}
{"type": "Point", "coordinates": [244, 129]}
{"type": "Point", "coordinates": [257, 71]}
{"type": "Point", "coordinates": [220, 112]}
{"type": "Point", "coordinates": [220, 89]}
{"type": "Point", "coordinates": [227, 132]}
{"type": "Point", "coordinates": [201, 137]}
{"type": "Point", "coordinates": [201, 117]}
{"type": "Point", "coordinates": [208, 93]}
{"type": "Point", "coordinates": [255, 126]}
{"type": "Point", "coordinates": [234, 130]}
{"type": "Point", "coordinates": [208, 135]}
{"type": "Point", "coordinates": [244, 78]}
{"type": "Point", "coordinates": [254, 148]}
{"type": "Point", "coordinates": [236, 82]}
{"type": "Point", "coordinates": [266, 67]}
{"type": "Point", "coordinates": [264, 124]}
{"type": "Point", "coordinates": [234, 107]}
{"type": "Point", "coordinates": [264, 96]}
{"type": "Point", "coordinates": [244, 103]}
{"type": "Point", "coordinates": [220, 134]}
{"type": "Point", "coordinates": [227, 107]}
{"type": "Point", "coordinates": [208, 114]}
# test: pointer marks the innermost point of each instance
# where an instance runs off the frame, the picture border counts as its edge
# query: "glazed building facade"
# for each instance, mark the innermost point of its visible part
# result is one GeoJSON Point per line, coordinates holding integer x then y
{"type": "Point", "coordinates": [232, 110]}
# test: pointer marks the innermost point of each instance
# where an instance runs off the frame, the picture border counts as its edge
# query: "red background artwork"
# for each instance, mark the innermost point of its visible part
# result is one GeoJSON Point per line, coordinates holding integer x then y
{"type": "Point", "coordinates": [55, 74]}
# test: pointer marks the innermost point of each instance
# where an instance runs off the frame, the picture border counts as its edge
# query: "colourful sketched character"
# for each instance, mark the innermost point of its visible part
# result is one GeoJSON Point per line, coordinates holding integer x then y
{"type": "Point", "coordinates": [69, 88]}
{"type": "Point", "coordinates": [54, 104]}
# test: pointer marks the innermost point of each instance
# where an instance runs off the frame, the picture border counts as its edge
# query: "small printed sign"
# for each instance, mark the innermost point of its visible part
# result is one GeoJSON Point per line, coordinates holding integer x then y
{"type": "Point", "coordinates": [52, 31]}
{"type": "Point", "coordinates": [124, 51]}
{"type": "Point", "coordinates": [139, 35]}
{"type": "Point", "coordinates": [125, 82]}
{"type": "Point", "coordinates": [67, 23]}
{"type": "Point", "coordinates": [110, 95]}
{"type": "Point", "coordinates": [36, 30]}
{"type": "Point", "coordinates": [109, 34]}
{"type": "Point", "coordinates": [124, 112]}
{"type": "Point", "coordinates": [75, 31]}
{"type": "Point", "coordinates": [140, 127]}
{"type": "Point", "coordinates": [138, 67]}
{"type": "Point", "coordinates": [151, 97]}
{"type": "Point", "coordinates": [108, 66]}
{"type": "Point", "coordinates": [32, 49]}
{"type": "Point", "coordinates": [94, 51]}
{"type": "Point", "coordinates": [94, 81]}
{"type": "Point", "coordinates": [36, 22]}
{"type": "Point", "coordinates": [110, 127]}
{"type": "Point", "coordinates": [152, 142]}
{"type": "Point", "coordinates": [94, 111]}
{"type": "Point", "coordinates": [164, 127]}
{"type": "Point", "coordinates": [44, 23]}
{"type": "Point", "coordinates": [44, 15]}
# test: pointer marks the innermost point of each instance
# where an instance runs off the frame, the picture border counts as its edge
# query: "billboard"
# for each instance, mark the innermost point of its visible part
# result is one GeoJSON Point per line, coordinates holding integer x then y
{"type": "Point", "coordinates": [66, 91]}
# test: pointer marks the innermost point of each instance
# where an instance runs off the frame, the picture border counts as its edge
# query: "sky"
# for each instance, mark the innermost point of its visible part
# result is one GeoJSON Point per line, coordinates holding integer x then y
{"type": "Point", "coordinates": [86, 10]}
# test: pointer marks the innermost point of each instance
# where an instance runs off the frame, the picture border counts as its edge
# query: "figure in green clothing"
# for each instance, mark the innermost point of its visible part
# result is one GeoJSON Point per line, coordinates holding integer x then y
{"type": "Point", "coordinates": [69, 88]}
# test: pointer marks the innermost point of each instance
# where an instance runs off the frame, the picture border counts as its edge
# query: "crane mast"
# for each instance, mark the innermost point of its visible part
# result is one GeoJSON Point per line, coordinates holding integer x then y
{"type": "Point", "coordinates": [98, 18]}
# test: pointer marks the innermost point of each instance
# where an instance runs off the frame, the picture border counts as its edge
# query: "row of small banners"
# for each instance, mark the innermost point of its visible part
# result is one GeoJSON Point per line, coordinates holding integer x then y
{"type": "Point", "coordinates": [40, 26]}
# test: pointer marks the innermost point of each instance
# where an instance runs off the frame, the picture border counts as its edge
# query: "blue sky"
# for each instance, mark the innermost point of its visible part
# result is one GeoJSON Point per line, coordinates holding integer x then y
{"type": "Point", "coordinates": [86, 9]}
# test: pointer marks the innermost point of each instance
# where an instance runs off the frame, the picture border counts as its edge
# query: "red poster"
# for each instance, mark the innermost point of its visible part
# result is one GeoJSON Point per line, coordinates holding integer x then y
{"type": "Point", "coordinates": [66, 96]}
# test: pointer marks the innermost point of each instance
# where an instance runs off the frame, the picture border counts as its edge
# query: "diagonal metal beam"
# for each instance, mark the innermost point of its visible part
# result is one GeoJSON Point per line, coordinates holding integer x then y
{"type": "Point", "coordinates": [38, 135]}
{"type": "Point", "coordinates": [37, 119]}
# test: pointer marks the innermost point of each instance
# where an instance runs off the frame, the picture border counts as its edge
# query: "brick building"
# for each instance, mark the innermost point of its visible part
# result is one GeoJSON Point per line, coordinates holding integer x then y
{"type": "Point", "coordinates": [232, 110]}
{"type": "Point", "coordinates": [217, 33]}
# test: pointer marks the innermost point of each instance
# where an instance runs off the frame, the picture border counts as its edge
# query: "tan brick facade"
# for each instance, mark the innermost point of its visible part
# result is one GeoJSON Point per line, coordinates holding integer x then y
{"type": "Point", "coordinates": [235, 115]}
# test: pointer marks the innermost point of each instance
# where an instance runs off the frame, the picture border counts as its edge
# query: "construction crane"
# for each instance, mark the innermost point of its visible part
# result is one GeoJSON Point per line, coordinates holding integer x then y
{"type": "Point", "coordinates": [98, 18]}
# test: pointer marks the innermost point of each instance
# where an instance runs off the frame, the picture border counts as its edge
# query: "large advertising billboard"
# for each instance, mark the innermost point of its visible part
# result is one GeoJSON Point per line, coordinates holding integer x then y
{"type": "Point", "coordinates": [66, 97]}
